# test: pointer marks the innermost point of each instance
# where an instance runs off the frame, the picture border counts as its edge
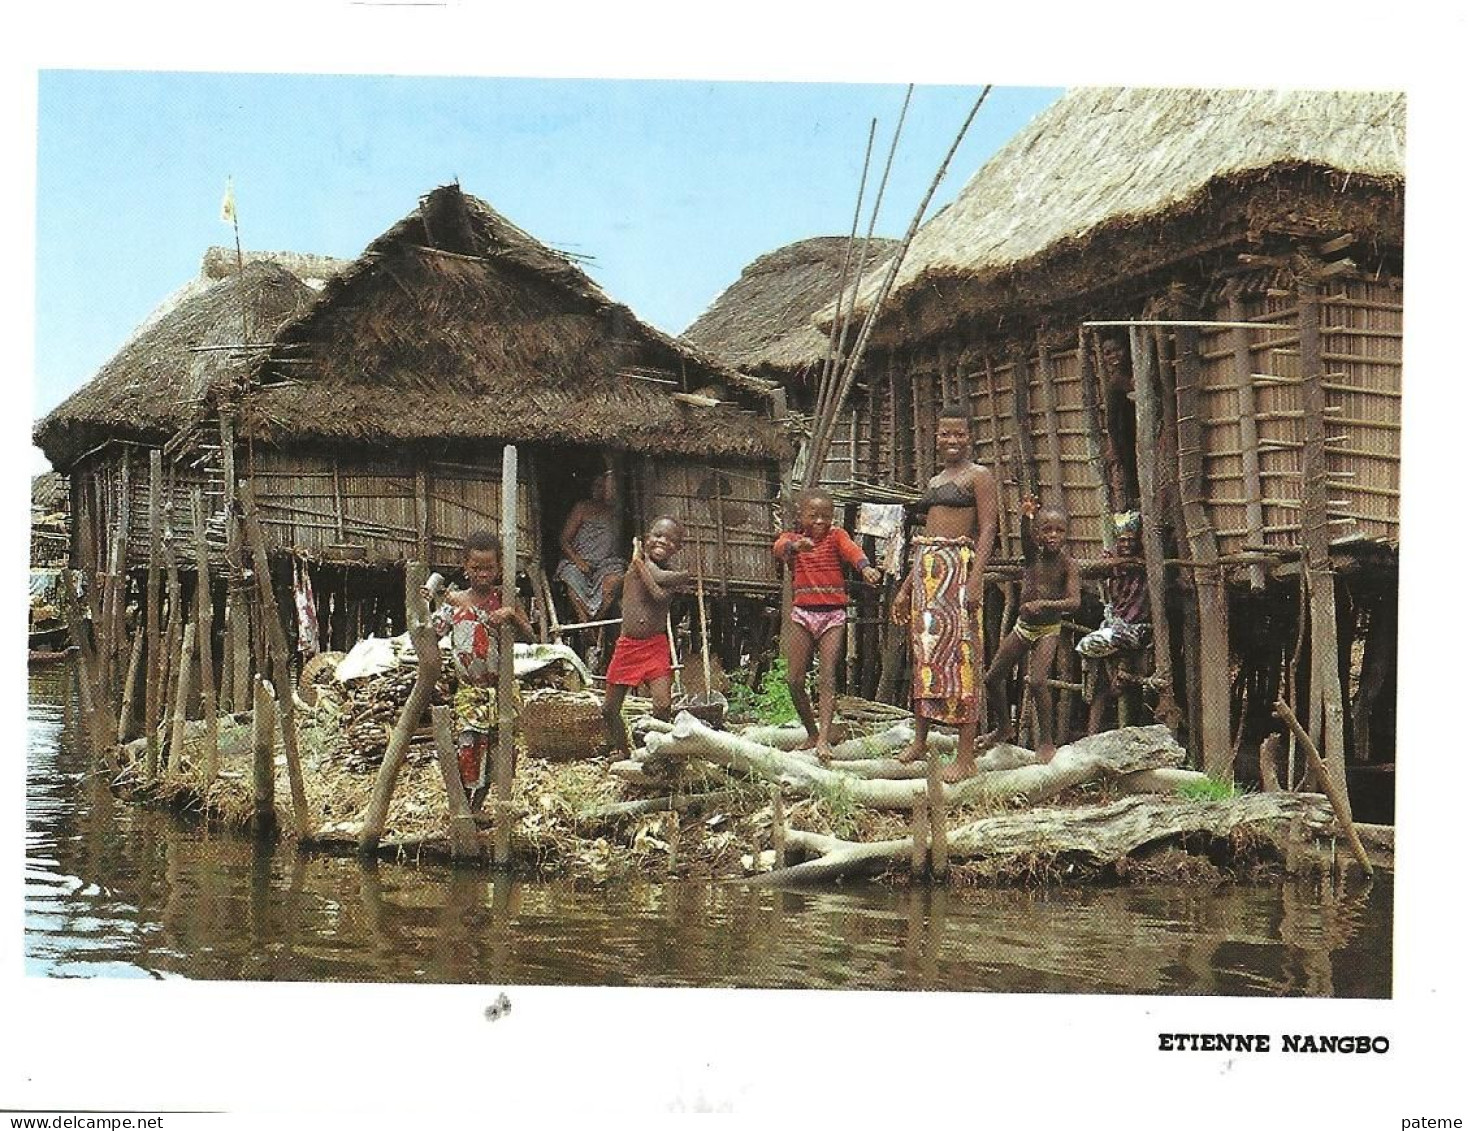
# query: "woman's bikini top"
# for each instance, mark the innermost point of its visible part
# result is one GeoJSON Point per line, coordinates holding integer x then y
{"type": "Point", "coordinates": [950, 494]}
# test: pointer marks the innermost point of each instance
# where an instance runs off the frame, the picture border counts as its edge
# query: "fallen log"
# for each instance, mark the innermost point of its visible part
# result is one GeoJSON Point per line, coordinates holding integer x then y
{"type": "Point", "coordinates": [677, 803]}
{"type": "Point", "coordinates": [1097, 835]}
{"type": "Point", "coordinates": [1098, 756]}
{"type": "Point", "coordinates": [1165, 780]}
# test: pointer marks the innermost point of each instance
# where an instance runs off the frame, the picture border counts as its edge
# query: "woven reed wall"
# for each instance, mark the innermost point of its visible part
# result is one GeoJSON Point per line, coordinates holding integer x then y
{"type": "Point", "coordinates": [1361, 342]}
{"type": "Point", "coordinates": [727, 513]}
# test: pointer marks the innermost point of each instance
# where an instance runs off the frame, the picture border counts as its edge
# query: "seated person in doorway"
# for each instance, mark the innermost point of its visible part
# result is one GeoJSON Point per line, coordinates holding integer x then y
{"type": "Point", "coordinates": [1050, 588]}
{"type": "Point", "coordinates": [472, 619]}
{"type": "Point", "coordinates": [1126, 627]}
{"type": "Point", "coordinates": [642, 654]}
{"type": "Point", "coordinates": [591, 567]}
{"type": "Point", "coordinates": [817, 551]}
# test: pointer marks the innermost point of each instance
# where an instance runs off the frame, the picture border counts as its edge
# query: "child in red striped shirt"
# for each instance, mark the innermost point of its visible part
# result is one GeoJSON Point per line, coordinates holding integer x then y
{"type": "Point", "coordinates": [816, 553]}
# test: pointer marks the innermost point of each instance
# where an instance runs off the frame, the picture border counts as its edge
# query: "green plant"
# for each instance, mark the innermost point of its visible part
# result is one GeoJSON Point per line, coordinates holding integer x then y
{"type": "Point", "coordinates": [771, 702]}
{"type": "Point", "coordinates": [1209, 790]}
{"type": "Point", "coordinates": [837, 801]}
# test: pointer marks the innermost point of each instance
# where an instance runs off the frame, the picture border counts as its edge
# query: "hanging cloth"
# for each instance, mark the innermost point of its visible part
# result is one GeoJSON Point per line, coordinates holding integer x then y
{"type": "Point", "coordinates": [307, 642]}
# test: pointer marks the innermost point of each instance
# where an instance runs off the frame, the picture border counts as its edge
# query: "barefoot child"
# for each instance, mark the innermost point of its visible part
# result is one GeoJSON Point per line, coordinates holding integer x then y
{"type": "Point", "coordinates": [472, 618]}
{"type": "Point", "coordinates": [1126, 627]}
{"type": "Point", "coordinates": [1050, 588]}
{"type": "Point", "coordinates": [816, 553]}
{"type": "Point", "coordinates": [642, 654]}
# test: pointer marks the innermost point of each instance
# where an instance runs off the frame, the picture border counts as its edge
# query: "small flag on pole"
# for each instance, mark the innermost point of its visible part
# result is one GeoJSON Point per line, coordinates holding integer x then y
{"type": "Point", "coordinates": [227, 206]}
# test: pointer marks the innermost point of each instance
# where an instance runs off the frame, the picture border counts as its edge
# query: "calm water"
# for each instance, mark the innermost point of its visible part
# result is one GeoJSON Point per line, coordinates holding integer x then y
{"type": "Point", "coordinates": [116, 891]}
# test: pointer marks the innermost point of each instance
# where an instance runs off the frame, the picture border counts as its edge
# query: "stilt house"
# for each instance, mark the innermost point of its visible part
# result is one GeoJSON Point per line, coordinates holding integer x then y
{"type": "Point", "coordinates": [370, 416]}
{"type": "Point", "coordinates": [1188, 302]}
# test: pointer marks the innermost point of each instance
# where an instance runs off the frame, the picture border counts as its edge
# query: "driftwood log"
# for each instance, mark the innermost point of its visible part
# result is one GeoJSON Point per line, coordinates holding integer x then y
{"type": "Point", "coordinates": [1097, 757]}
{"type": "Point", "coordinates": [1098, 835]}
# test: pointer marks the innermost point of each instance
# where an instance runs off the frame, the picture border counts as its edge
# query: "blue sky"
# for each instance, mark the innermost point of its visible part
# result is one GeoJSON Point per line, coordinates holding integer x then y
{"type": "Point", "coordinates": [672, 187]}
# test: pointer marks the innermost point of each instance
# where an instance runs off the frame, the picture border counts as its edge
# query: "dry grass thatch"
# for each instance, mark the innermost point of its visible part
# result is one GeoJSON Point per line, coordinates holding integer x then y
{"type": "Point", "coordinates": [524, 346]}
{"type": "Point", "coordinates": [764, 321]}
{"type": "Point", "coordinates": [454, 324]}
{"type": "Point", "coordinates": [1102, 161]}
{"type": "Point", "coordinates": [160, 379]}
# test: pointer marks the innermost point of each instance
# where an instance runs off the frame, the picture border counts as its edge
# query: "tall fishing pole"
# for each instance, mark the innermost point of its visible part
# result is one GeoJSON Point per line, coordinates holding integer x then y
{"type": "Point", "coordinates": [822, 442]}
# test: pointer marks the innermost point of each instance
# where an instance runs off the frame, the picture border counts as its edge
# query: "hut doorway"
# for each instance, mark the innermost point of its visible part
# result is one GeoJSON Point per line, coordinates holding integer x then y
{"type": "Point", "coordinates": [565, 477]}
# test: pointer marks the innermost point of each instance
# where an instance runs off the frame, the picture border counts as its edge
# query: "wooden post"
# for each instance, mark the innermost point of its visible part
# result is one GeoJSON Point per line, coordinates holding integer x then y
{"type": "Point", "coordinates": [89, 693]}
{"type": "Point", "coordinates": [154, 595]}
{"type": "Point", "coordinates": [779, 829]}
{"type": "Point", "coordinates": [237, 614]}
{"type": "Point", "coordinates": [1050, 418]}
{"type": "Point", "coordinates": [1325, 699]}
{"type": "Point", "coordinates": [415, 575]}
{"type": "Point", "coordinates": [1247, 427]}
{"type": "Point", "coordinates": [181, 694]}
{"type": "Point", "coordinates": [506, 682]}
{"type": "Point", "coordinates": [263, 745]}
{"type": "Point", "coordinates": [421, 508]}
{"type": "Point", "coordinates": [1147, 430]}
{"type": "Point", "coordinates": [464, 838]}
{"type": "Point", "coordinates": [935, 804]}
{"type": "Point", "coordinates": [1027, 483]}
{"type": "Point", "coordinates": [280, 658]}
{"type": "Point", "coordinates": [1333, 786]}
{"type": "Point", "coordinates": [919, 836]}
{"type": "Point", "coordinates": [1094, 439]}
{"type": "Point", "coordinates": [1214, 656]}
{"type": "Point", "coordinates": [204, 625]}
{"type": "Point", "coordinates": [118, 625]}
{"type": "Point", "coordinates": [1169, 476]}
{"type": "Point", "coordinates": [176, 627]}
{"type": "Point", "coordinates": [427, 652]}
{"type": "Point", "coordinates": [130, 683]}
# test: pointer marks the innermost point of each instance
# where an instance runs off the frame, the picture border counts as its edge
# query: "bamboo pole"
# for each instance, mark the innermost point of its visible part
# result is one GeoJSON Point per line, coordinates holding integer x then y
{"type": "Point", "coordinates": [280, 658]}
{"type": "Point", "coordinates": [506, 720]}
{"type": "Point", "coordinates": [153, 597]}
{"type": "Point", "coordinates": [204, 625]}
{"type": "Point", "coordinates": [464, 838]}
{"type": "Point", "coordinates": [821, 441]}
{"type": "Point", "coordinates": [1147, 428]}
{"type": "Point", "coordinates": [1334, 788]}
{"type": "Point", "coordinates": [263, 762]}
{"type": "Point", "coordinates": [1050, 420]}
{"type": "Point", "coordinates": [1325, 700]}
{"type": "Point", "coordinates": [1094, 439]}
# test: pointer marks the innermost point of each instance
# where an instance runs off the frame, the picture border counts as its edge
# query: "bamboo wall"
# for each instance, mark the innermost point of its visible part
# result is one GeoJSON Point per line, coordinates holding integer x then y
{"type": "Point", "coordinates": [1361, 341]}
{"type": "Point", "coordinates": [727, 513]}
{"type": "Point", "coordinates": [376, 510]}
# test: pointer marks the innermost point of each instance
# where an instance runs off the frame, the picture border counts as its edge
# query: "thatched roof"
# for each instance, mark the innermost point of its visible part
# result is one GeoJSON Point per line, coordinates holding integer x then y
{"type": "Point", "coordinates": [50, 491]}
{"type": "Point", "coordinates": [763, 322]}
{"type": "Point", "coordinates": [161, 379]}
{"type": "Point", "coordinates": [1101, 162]}
{"type": "Point", "coordinates": [457, 325]}
{"type": "Point", "coordinates": [453, 325]}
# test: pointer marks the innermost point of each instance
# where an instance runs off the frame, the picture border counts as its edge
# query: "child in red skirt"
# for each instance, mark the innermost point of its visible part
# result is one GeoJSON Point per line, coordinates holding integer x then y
{"type": "Point", "coordinates": [642, 654]}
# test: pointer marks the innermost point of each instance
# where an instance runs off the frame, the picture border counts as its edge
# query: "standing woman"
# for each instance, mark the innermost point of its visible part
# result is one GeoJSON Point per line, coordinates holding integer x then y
{"type": "Point", "coordinates": [942, 598]}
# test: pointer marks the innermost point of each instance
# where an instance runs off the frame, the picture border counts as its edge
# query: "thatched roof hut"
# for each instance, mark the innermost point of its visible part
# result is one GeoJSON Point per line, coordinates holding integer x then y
{"type": "Point", "coordinates": [175, 365]}
{"type": "Point", "coordinates": [457, 325]}
{"type": "Point", "coordinates": [764, 322]}
{"type": "Point", "coordinates": [1105, 179]}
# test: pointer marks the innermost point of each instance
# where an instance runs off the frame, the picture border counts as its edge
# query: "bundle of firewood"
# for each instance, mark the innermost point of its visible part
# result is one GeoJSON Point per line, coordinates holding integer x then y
{"type": "Point", "coordinates": [372, 707]}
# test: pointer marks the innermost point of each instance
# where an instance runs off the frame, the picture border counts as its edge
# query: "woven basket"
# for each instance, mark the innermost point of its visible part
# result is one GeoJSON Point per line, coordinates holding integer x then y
{"type": "Point", "coordinates": [562, 726]}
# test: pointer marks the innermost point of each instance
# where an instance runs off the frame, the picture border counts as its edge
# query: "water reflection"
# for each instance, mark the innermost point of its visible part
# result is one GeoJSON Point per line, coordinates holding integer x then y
{"type": "Point", "coordinates": [112, 890]}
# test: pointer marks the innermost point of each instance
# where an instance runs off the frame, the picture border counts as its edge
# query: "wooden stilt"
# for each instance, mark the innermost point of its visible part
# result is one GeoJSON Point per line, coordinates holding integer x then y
{"type": "Point", "coordinates": [130, 685]}
{"type": "Point", "coordinates": [1213, 657]}
{"type": "Point", "coordinates": [154, 595]}
{"type": "Point", "coordinates": [181, 695]}
{"type": "Point", "coordinates": [204, 625]}
{"type": "Point", "coordinates": [506, 680]}
{"type": "Point", "coordinates": [1325, 701]}
{"type": "Point", "coordinates": [919, 836]}
{"type": "Point", "coordinates": [415, 613]}
{"type": "Point", "coordinates": [779, 830]}
{"type": "Point", "coordinates": [1147, 430]}
{"type": "Point", "coordinates": [280, 658]}
{"type": "Point", "coordinates": [1094, 439]}
{"type": "Point", "coordinates": [1241, 339]}
{"type": "Point", "coordinates": [1337, 794]}
{"type": "Point", "coordinates": [464, 838]}
{"type": "Point", "coordinates": [935, 805]}
{"type": "Point", "coordinates": [263, 746]}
